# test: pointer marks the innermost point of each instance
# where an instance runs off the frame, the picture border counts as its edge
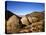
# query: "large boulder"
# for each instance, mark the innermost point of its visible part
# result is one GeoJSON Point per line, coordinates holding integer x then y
{"type": "Point", "coordinates": [12, 24]}
{"type": "Point", "coordinates": [24, 20]}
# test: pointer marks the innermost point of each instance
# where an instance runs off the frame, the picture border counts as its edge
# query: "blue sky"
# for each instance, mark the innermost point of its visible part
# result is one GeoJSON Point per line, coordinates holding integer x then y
{"type": "Point", "coordinates": [23, 8]}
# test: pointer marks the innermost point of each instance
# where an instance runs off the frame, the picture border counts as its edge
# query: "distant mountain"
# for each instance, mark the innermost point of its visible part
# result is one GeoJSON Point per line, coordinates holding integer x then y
{"type": "Point", "coordinates": [37, 14]}
{"type": "Point", "coordinates": [8, 14]}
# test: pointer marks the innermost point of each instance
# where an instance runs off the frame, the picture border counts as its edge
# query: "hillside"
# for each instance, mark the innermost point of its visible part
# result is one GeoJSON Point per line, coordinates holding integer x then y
{"type": "Point", "coordinates": [33, 22]}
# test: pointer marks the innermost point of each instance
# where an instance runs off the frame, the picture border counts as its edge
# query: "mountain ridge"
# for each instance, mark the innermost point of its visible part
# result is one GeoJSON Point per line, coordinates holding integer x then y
{"type": "Point", "coordinates": [27, 23]}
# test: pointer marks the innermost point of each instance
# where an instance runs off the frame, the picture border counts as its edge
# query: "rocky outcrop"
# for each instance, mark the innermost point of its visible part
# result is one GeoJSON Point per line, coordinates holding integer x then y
{"type": "Point", "coordinates": [24, 20]}
{"type": "Point", "coordinates": [12, 24]}
{"type": "Point", "coordinates": [33, 22]}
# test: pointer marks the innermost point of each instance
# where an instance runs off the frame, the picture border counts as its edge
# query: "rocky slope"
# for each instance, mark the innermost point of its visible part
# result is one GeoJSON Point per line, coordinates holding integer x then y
{"type": "Point", "coordinates": [33, 22]}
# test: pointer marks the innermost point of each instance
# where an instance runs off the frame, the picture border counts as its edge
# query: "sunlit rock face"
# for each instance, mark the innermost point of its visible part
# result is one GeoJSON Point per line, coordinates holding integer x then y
{"type": "Point", "coordinates": [24, 20]}
{"type": "Point", "coordinates": [30, 19]}
{"type": "Point", "coordinates": [11, 24]}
